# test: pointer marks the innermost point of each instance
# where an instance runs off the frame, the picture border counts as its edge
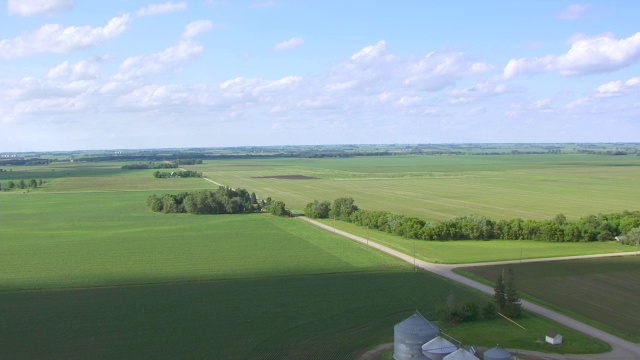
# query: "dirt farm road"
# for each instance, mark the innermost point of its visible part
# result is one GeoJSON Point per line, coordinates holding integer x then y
{"type": "Point", "coordinates": [622, 349]}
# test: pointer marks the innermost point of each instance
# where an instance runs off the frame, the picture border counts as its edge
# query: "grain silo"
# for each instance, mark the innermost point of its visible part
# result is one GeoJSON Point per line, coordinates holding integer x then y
{"type": "Point", "coordinates": [461, 354]}
{"type": "Point", "coordinates": [410, 334]}
{"type": "Point", "coordinates": [497, 353]}
{"type": "Point", "coordinates": [438, 348]}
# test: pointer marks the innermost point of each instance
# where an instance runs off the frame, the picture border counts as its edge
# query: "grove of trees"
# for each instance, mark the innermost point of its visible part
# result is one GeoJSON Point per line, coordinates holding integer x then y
{"type": "Point", "coordinates": [180, 174]}
{"type": "Point", "coordinates": [22, 184]}
{"type": "Point", "coordinates": [222, 201]}
{"type": "Point", "coordinates": [601, 227]}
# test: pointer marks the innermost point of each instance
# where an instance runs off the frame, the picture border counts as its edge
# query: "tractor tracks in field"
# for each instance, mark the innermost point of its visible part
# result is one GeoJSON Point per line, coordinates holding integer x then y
{"type": "Point", "coordinates": [621, 349]}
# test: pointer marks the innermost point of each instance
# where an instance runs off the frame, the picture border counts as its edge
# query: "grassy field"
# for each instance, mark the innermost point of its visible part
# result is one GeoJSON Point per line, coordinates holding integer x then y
{"type": "Point", "coordinates": [443, 187]}
{"type": "Point", "coordinates": [87, 270]}
{"type": "Point", "coordinates": [84, 265]}
{"type": "Point", "coordinates": [603, 292]}
{"type": "Point", "coordinates": [478, 251]}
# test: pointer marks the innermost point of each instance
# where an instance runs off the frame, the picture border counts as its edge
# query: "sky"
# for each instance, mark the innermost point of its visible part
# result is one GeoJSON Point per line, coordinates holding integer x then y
{"type": "Point", "coordinates": [128, 74]}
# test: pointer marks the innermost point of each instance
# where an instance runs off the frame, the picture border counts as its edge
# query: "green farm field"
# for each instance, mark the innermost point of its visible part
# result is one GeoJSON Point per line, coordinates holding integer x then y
{"type": "Point", "coordinates": [603, 292]}
{"type": "Point", "coordinates": [87, 270]}
{"type": "Point", "coordinates": [443, 187]}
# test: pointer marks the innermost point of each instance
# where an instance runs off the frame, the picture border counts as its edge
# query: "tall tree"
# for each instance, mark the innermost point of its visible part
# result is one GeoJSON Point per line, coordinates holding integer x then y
{"type": "Point", "coordinates": [343, 208]}
{"type": "Point", "coordinates": [514, 305]}
{"type": "Point", "coordinates": [499, 293]}
{"type": "Point", "coordinates": [506, 296]}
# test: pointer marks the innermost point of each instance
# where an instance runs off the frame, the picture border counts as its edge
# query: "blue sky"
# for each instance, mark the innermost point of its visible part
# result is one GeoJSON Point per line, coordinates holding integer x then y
{"type": "Point", "coordinates": [126, 74]}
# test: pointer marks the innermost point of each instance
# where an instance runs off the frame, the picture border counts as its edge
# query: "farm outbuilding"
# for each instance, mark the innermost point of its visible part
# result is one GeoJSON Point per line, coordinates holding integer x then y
{"type": "Point", "coordinates": [410, 334]}
{"type": "Point", "coordinates": [438, 348]}
{"type": "Point", "coordinates": [497, 353]}
{"type": "Point", "coordinates": [461, 354]}
{"type": "Point", "coordinates": [553, 338]}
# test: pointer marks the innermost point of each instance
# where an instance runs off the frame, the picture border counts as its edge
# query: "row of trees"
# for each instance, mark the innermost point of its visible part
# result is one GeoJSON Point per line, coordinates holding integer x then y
{"type": "Point", "coordinates": [151, 165]}
{"type": "Point", "coordinates": [180, 174]}
{"type": "Point", "coordinates": [162, 165]}
{"type": "Point", "coordinates": [601, 227]}
{"type": "Point", "coordinates": [22, 184]}
{"type": "Point", "coordinates": [222, 201]}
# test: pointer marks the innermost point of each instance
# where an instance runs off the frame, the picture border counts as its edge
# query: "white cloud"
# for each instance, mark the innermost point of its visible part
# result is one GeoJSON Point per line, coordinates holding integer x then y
{"type": "Point", "coordinates": [140, 66]}
{"type": "Point", "coordinates": [371, 51]}
{"type": "Point", "coordinates": [253, 89]}
{"type": "Point", "coordinates": [409, 101]}
{"type": "Point", "coordinates": [366, 68]}
{"type": "Point", "coordinates": [616, 88]}
{"type": "Point", "coordinates": [57, 39]}
{"type": "Point", "coordinates": [435, 71]}
{"type": "Point", "coordinates": [30, 88]}
{"type": "Point", "coordinates": [81, 70]}
{"type": "Point", "coordinates": [573, 12]}
{"type": "Point", "coordinates": [477, 92]}
{"type": "Point", "coordinates": [38, 7]}
{"type": "Point", "coordinates": [289, 44]}
{"type": "Point", "coordinates": [164, 8]}
{"type": "Point", "coordinates": [197, 27]}
{"type": "Point", "coordinates": [586, 56]}
{"type": "Point", "coordinates": [541, 103]}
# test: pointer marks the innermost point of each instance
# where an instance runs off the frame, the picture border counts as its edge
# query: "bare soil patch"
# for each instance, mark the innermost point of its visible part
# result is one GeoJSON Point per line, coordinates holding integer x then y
{"type": "Point", "coordinates": [287, 177]}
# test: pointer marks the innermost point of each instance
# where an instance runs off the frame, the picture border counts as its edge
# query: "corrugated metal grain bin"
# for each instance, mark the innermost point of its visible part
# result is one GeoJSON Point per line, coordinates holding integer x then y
{"type": "Point", "coordinates": [410, 334]}
{"type": "Point", "coordinates": [438, 348]}
{"type": "Point", "coordinates": [497, 353]}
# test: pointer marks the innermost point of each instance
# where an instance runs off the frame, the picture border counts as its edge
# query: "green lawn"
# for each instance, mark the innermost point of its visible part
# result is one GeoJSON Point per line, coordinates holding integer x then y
{"type": "Point", "coordinates": [603, 292]}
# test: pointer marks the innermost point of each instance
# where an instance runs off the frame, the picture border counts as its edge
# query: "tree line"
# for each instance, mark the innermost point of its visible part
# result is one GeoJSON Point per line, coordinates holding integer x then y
{"type": "Point", "coordinates": [180, 174]}
{"type": "Point", "coordinates": [224, 200]}
{"type": "Point", "coordinates": [22, 184]}
{"type": "Point", "coordinates": [162, 165]}
{"type": "Point", "coordinates": [601, 227]}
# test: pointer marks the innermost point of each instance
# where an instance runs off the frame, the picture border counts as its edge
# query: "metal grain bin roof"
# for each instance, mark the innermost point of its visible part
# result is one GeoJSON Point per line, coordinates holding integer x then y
{"type": "Point", "coordinates": [418, 325]}
{"type": "Point", "coordinates": [497, 353]}
{"type": "Point", "coordinates": [461, 354]}
{"type": "Point", "coordinates": [438, 348]}
{"type": "Point", "coordinates": [410, 334]}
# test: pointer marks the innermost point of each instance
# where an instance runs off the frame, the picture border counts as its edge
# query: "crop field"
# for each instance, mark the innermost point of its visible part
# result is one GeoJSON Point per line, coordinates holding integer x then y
{"type": "Point", "coordinates": [443, 187]}
{"type": "Point", "coordinates": [86, 270]}
{"type": "Point", "coordinates": [603, 291]}
{"type": "Point", "coordinates": [98, 275]}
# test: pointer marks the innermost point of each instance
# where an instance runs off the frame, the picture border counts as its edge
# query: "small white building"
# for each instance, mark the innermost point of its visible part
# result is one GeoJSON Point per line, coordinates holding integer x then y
{"type": "Point", "coordinates": [553, 338]}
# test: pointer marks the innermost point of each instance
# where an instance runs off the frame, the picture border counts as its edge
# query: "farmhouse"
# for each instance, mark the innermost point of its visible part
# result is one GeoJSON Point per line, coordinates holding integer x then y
{"type": "Point", "coordinates": [553, 338]}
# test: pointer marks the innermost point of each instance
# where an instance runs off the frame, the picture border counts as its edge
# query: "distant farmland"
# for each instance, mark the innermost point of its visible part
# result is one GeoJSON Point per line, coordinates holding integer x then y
{"type": "Point", "coordinates": [443, 187]}
{"type": "Point", "coordinates": [85, 264]}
